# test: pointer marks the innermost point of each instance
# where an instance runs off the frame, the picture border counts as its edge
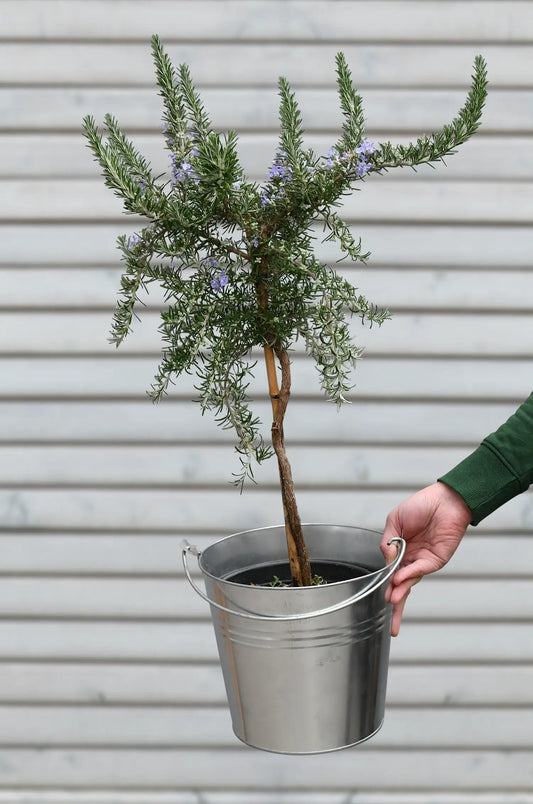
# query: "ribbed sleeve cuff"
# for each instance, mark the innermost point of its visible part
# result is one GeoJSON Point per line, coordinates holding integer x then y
{"type": "Point", "coordinates": [484, 481]}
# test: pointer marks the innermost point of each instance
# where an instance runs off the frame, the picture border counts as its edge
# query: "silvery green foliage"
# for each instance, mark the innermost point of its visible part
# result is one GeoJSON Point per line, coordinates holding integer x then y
{"type": "Point", "coordinates": [236, 260]}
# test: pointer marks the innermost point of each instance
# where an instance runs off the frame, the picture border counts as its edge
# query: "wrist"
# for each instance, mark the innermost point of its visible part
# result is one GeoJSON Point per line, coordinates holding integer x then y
{"type": "Point", "coordinates": [453, 500]}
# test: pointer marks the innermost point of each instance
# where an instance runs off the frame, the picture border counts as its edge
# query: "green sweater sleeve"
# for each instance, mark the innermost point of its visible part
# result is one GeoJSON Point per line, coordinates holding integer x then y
{"type": "Point", "coordinates": [500, 468]}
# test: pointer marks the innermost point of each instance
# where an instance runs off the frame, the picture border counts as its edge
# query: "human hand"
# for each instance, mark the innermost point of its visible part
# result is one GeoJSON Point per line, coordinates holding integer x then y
{"type": "Point", "coordinates": [432, 522]}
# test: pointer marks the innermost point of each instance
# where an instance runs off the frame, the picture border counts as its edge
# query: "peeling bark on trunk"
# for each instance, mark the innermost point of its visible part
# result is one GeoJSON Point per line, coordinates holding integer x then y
{"type": "Point", "coordinates": [279, 397]}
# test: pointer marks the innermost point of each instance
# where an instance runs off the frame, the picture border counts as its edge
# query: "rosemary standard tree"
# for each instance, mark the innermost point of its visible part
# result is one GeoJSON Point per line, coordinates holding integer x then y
{"type": "Point", "coordinates": [237, 260]}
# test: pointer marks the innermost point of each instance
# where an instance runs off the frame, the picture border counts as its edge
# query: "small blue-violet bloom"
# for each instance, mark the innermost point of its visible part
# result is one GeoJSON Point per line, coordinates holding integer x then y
{"type": "Point", "coordinates": [183, 171]}
{"type": "Point", "coordinates": [366, 147]}
{"type": "Point", "coordinates": [134, 240]}
{"type": "Point", "coordinates": [219, 282]}
{"type": "Point", "coordinates": [283, 172]}
{"type": "Point", "coordinates": [334, 157]}
{"type": "Point", "coordinates": [361, 167]}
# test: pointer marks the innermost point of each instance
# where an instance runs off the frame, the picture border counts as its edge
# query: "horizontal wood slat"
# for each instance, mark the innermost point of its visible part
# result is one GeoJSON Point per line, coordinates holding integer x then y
{"type": "Point", "coordinates": [163, 769]}
{"type": "Point", "coordinates": [416, 334]}
{"type": "Point", "coordinates": [64, 155]}
{"type": "Point", "coordinates": [305, 64]}
{"type": "Point", "coordinates": [15, 796]}
{"type": "Point", "coordinates": [457, 202]}
{"type": "Point", "coordinates": [182, 684]}
{"type": "Point", "coordinates": [391, 245]}
{"type": "Point", "coordinates": [195, 727]}
{"type": "Point", "coordinates": [396, 289]}
{"type": "Point", "coordinates": [157, 641]}
{"type": "Point", "coordinates": [188, 466]}
{"type": "Point", "coordinates": [438, 599]}
{"type": "Point", "coordinates": [286, 21]}
{"type": "Point", "coordinates": [190, 510]}
{"type": "Point", "coordinates": [279, 797]}
{"type": "Point", "coordinates": [176, 422]}
{"type": "Point", "coordinates": [245, 109]}
{"type": "Point", "coordinates": [120, 376]}
{"type": "Point", "coordinates": [492, 555]}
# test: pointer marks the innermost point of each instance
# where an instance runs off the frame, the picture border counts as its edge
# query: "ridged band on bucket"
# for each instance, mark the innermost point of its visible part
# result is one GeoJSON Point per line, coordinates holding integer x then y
{"type": "Point", "coordinates": [316, 637]}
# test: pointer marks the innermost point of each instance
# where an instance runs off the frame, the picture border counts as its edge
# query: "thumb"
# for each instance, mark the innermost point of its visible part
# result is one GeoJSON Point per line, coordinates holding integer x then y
{"type": "Point", "coordinates": [392, 531]}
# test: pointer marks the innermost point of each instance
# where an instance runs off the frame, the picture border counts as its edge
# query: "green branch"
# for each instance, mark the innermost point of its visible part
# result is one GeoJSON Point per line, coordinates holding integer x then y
{"type": "Point", "coordinates": [435, 147]}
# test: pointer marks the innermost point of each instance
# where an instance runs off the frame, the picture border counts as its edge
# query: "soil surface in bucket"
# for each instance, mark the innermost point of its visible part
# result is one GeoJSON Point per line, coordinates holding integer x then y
{"type": "Point", "coordinates": [279, 573]}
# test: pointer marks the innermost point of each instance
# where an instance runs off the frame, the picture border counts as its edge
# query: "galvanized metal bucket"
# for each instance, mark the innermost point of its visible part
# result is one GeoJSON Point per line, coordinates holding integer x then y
{"type": "Point", "coordinates": [305, 669]}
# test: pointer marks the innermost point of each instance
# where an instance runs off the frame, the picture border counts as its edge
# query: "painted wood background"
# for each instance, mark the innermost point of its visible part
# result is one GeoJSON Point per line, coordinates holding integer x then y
{"type": "Point", "coordinates": [110, 691]}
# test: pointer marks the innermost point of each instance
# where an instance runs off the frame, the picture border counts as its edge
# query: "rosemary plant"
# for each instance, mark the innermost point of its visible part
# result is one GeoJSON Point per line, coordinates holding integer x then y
{"type": "Point", "coordinates": [237, 260]}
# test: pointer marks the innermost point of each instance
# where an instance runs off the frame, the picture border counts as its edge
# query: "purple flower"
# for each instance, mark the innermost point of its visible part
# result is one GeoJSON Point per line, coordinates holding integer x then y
{"type": "Point", "coordinates": [278, 171]}
{"type": "Point", "coordinates": [183, 171]}
{"type": "Point", "coordinates": [134, 240]}
{"type": "Point", "coordinates": [361, 167]}
{"type": "Point", "coordinates": [333, 158]}
{"type": "Point", "coordinates": [212, 262]}
{"type": "Point", "coordinates": [366, 147]}
{"type": "Point", "coordinates": [220, 281]}
{"type": "Point", "coordinates": [166, 134]}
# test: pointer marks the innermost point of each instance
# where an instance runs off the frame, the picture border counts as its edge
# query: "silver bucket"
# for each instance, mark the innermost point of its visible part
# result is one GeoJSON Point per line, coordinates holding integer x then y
{"type": "Point", "coordinates": [305, 669]}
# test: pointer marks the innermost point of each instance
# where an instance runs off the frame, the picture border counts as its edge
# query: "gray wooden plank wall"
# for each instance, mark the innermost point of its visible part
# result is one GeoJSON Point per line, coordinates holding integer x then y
{"type": "Point", "coordinates": [109, 684]}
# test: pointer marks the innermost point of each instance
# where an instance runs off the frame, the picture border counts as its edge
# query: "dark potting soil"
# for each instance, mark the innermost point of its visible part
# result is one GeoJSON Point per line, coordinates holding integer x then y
{"type": "Point", "coordinates": [279, 573]}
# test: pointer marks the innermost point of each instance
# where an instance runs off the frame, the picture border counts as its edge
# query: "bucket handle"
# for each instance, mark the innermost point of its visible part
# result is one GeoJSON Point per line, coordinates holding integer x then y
{"type": "Point", "coordinates": [390, 570]}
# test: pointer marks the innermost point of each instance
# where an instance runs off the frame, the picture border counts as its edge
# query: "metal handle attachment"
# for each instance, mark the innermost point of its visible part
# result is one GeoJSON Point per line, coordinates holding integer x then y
{"type": "Point", "coordinates": [390, 570]}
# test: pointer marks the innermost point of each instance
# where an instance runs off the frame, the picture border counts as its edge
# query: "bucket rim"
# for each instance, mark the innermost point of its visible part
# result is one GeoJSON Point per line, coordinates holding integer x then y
{"type": "Point", "coordinates": [291, 589]}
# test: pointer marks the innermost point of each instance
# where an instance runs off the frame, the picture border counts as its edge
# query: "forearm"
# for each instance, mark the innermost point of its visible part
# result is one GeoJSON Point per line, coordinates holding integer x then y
{"type": "Point", "coordinates": [500, 468]}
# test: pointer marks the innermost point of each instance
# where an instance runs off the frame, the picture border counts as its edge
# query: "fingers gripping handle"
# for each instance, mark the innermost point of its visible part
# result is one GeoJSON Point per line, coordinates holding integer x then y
{"type": "Point", "coordinates": [389, 570]}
